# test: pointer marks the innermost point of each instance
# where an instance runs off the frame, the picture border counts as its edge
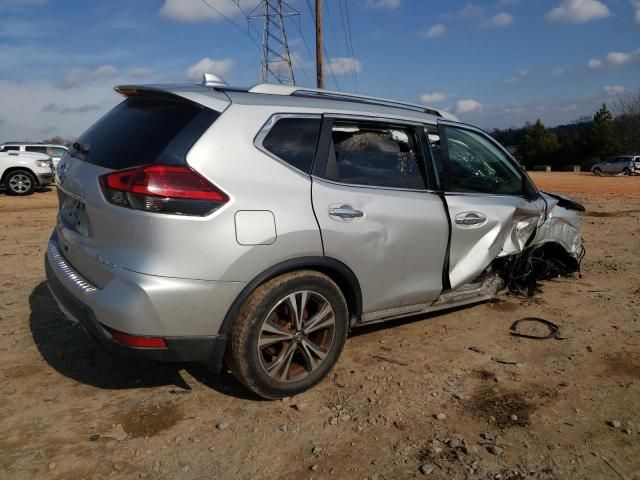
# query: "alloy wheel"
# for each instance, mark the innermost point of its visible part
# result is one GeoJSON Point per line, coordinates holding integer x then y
{"type": "Point", "coordinates": [20, 183]}
{"type": "Point", "coordinates": [296, 336]}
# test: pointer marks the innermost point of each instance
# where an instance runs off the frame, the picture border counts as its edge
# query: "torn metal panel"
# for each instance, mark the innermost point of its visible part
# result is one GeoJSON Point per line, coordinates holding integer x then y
{"type": "Point", "coordinates": [561, 225]}
{"type": "Point", "coordinates": [507, 225]}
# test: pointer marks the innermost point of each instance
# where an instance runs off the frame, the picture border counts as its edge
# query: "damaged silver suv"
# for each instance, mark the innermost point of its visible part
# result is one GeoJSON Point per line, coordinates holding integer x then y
{"type": "Point", "coordinates": [256, 226]}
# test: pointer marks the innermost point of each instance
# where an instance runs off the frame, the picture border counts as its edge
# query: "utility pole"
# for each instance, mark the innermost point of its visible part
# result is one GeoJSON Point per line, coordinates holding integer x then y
{"type": "Point", "coordinates": [319, 72]}
{"type": "Point", "coordinates": [276, 61]}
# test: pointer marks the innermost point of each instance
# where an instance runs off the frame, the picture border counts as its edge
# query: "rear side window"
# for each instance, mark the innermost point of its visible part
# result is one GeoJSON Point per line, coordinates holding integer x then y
{"type": "Point", "coordinates": [294, 140]}
{"type": "Point", "coordinates": [10, 148]}
{"type": "Point", "coordinates": [375, 154]}
{"type": "Point", "coordinates": [144, 129]}
{"type": "Point", "coordinates": [36, 149]}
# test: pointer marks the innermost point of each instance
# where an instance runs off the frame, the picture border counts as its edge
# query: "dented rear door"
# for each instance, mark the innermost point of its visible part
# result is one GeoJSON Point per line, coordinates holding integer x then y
{"type": "Point", "coordinates": [493, 206]}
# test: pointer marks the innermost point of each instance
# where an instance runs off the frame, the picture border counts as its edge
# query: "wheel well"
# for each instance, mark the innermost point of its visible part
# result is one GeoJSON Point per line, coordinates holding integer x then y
{"type": "Point", "coordinates": [13, 169]}
{"type": "Point", "coordinates": [337, 271]}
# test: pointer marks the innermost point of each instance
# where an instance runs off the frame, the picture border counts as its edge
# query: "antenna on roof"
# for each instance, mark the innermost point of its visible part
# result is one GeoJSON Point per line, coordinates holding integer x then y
{"type": "Point", "coordinates": [211, 80]}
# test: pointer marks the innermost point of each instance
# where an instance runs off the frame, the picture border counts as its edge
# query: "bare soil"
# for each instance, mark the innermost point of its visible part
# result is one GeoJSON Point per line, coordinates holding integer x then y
{"type": "Point", "coordinates": [71, 410]}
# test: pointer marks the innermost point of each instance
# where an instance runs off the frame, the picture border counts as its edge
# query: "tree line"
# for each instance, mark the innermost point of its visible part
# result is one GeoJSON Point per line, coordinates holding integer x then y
{"type": "Point", "coordinates": [586, 141]}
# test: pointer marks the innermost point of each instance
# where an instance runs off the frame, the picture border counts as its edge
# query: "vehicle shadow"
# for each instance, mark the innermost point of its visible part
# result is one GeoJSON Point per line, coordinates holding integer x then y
{"type": "Point", "coordinates": [67, 348]}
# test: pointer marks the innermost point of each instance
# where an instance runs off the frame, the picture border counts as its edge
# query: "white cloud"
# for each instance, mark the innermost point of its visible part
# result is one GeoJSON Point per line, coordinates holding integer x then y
{"type": "Point", "coordinates": [434, 31]}
{"type": "Point", "coordinates": [198, 11]}
{"type": "Point", "coordinates": [390, 4]}
{"type": "Point", "coordinates": [139, 73]}
{"type": "Point", "coordinates": [636, 5]}
{"type": "Point", "coordinates": [520, 75]}
{"type": "Point", "coordinates": [34, 110]}
{"type": "Point", "coordinates": [613, 90]}
{"type": "Point", "coordinates": [433, 97]}
{"type": "Point", "coordinates": [618, 58]}
{"type": "Point", "coordinates": [499, 20]}
{"type": "Point", "coordinates": [105, 71]}
{"type": "Point", "coordinates": [595, 64]}
{"type": "Point", "coordinates": [208, 65]}
{"type": "Point", "coordinates": [468, 106]}
{"type": "Point", "coordinates": [557, 72]}
{"type": "Point", "coordinates": [344, 65]}
{"type": "Point", "coordinates": [73, 77]}
{"type": "Point", "coordinates": [578, 11]}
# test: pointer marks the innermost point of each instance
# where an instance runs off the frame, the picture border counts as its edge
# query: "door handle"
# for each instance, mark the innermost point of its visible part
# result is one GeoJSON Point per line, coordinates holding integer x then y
{"type": "Point", "coordinates": [345, 212]}
{"type": "Point", "coordinates": [469, 219]}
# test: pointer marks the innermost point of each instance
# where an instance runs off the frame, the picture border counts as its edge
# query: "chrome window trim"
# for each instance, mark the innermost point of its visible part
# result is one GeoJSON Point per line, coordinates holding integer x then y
{"type": "Point", "coordinates": [266, 128]}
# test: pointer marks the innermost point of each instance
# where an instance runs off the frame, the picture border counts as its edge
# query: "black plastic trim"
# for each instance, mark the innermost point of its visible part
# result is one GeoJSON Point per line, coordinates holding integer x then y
{"type": "Point", "coordinates": [205, 349]}
{"type": "Point", "coordinates": [321, 264]}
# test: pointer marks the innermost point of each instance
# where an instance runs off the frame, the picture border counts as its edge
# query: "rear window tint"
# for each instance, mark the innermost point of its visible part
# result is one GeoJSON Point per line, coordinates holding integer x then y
{"type": "Point", "coordinates": [144, 129]}
{"type": "Point", "coordinates": [294, 141]}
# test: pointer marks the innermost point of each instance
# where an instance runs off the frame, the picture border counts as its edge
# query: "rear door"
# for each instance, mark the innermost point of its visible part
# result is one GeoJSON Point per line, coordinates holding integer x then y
{"type": "Point", "coordinates": [376, 213]}
{"type": "Point", "coordinates": [493, 206]}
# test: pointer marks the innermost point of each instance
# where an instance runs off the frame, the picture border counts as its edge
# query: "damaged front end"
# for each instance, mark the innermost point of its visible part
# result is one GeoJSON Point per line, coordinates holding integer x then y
{"type": "Point", "coordinates": [554, 249]}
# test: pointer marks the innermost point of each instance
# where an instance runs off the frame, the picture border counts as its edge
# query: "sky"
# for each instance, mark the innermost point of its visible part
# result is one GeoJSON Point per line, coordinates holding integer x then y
{"type": "Point", "coordinates": [495, 64]}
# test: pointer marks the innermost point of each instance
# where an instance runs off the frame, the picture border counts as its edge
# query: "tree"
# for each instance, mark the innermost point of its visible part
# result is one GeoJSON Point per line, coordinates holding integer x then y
{"type": "Point", "coordinates": [627, 121]}
{"type": "Point", "coordinates": [539, 145]}
{"type": "Point", "coordinates": [603, 140]}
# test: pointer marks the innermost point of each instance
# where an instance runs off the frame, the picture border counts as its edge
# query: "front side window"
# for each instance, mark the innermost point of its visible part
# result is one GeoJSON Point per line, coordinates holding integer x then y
{"type": "Point", "coordinates": [57, 152]}
{"type": "Point", "coordinates": [375, 154]}
{"type": "Point", "coordinates": [476, 164]}
{"type": "Point", "coordinates": [294, 140]}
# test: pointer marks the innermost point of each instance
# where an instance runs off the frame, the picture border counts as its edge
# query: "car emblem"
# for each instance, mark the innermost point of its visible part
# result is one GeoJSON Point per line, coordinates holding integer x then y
{"type": "Point", "coordinates": [61, 171]}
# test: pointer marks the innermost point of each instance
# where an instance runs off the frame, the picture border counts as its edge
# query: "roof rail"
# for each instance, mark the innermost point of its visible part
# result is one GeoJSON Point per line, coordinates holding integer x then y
{"type": "Point", "coordinates": [292, 90]}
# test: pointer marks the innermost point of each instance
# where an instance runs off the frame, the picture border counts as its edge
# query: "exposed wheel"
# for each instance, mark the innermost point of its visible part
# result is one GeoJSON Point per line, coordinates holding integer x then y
{"type": "Point", "coordinates": [597, 171]}
{"type": "Point", "coordinates": [20, 182]}
{"type": "Point", "coordinates": [288, 334]}
{"type": "Point", "coordinates": [626, 171]}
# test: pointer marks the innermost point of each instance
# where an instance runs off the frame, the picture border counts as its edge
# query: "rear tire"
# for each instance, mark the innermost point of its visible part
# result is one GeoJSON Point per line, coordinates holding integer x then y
{"type": "Point", "coordinates": [276, 352]}
{"type": "Point", "coordinates": [626, 172]}
{"type": "Point", "coordinates": [20, 182]}
{"type": "Point", "coordinates": [597, 171]}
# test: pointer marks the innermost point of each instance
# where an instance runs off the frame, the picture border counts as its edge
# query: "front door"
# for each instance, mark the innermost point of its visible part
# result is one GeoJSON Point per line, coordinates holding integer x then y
{"type": "Point", "coordinates": [493, 206]}
{"type": "Point", "coordinates": [376, 214]}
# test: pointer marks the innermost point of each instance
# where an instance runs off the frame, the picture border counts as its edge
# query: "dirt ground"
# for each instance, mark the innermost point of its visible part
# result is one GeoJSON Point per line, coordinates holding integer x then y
{"type": "Point", "coordinates": [70, 410]}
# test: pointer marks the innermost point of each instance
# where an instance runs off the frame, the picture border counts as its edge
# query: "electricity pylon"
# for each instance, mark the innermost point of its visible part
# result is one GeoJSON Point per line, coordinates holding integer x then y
{"type": "Point", "coordinates": [276, 64]}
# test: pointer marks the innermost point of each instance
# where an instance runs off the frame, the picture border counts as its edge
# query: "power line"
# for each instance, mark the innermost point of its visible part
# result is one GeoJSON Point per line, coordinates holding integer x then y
{"type": "Point", "coordinates": [230, 21]}
{"type": "Point", "coordinates": [347, 35]}
{"type": "Point", "coordinates": [353, 55]}
{"type": "Point", "coordinates": [335, 40]}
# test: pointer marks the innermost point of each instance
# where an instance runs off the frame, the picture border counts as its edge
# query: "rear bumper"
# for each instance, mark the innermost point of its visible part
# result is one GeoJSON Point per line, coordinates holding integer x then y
{"type": "Point", "coordinates": [84, 303]}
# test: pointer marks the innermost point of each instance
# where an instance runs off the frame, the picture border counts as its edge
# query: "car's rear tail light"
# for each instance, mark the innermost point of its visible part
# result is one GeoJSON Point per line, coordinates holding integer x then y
{"type": "Point", "coordinates": [137, 341]}
{"type": "Point", "coordinates": [174, 189]}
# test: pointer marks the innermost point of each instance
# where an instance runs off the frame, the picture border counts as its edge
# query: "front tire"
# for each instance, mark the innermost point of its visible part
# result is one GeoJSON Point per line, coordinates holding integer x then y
{"type": "Point", "coordinates": [288, 334]}
{"type": "Point", "coordinates": [20, 182]}
{"type": "Point", "coordinates": [597, 171]}
{"type": "Point", "coordinates": [626, 172]}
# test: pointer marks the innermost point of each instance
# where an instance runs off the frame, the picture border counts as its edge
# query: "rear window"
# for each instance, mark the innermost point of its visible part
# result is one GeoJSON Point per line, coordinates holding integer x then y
{"type": "Point", "coordinates": [144, 129]}
{"type": "Point", "coordinates": [294, 140]}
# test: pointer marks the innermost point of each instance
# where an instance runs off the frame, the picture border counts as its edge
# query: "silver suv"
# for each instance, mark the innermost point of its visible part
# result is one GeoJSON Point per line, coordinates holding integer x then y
{"type": "Point", "coordinates": [255, 227]}
{"type": "Point", "coordinates": [623, 164]}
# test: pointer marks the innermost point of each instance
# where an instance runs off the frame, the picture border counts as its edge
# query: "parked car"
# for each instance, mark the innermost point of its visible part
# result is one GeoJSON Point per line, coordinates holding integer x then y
{"type": "Point", "coordinates": [23, 172]}
{"type": "Point", "coordinates": [622, 164]}
{"type": "Point", "coordinates": [56, 152]}
{"type": "Point", "coordinates": [257, 226]}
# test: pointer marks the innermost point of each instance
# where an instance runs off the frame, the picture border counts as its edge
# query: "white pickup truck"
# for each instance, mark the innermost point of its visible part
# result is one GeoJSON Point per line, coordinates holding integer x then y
{"type": "Point", "coordinates": [22, 172]}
